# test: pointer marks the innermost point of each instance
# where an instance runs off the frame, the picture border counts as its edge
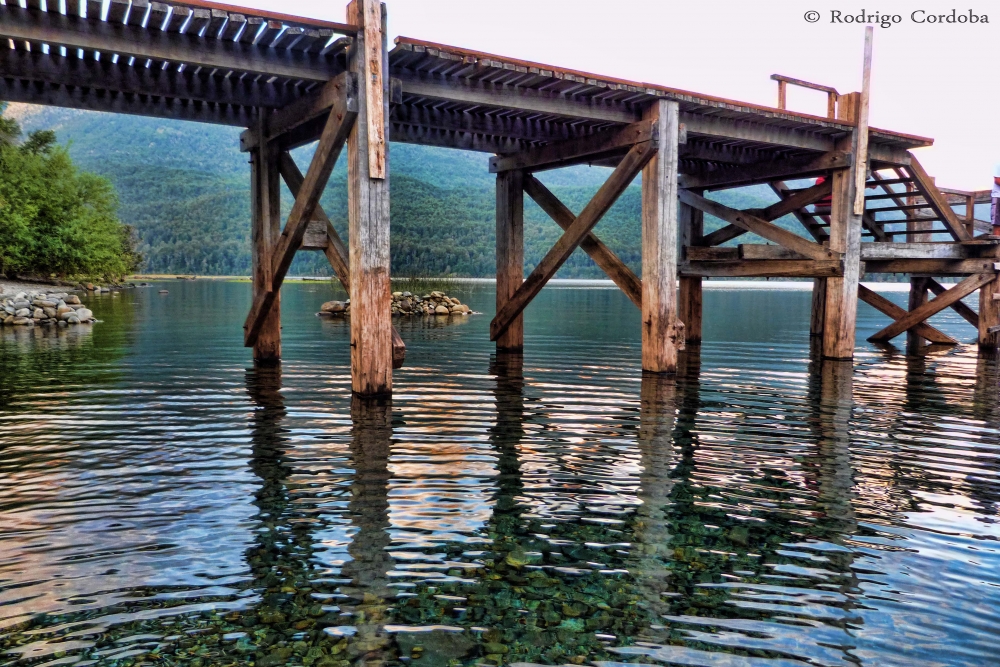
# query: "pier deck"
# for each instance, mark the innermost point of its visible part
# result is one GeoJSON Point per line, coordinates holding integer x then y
{"type": "Point", "coordinates": [291, 81]}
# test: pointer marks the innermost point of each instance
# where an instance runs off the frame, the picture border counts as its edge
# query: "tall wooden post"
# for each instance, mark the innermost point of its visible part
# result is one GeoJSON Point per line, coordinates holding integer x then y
{"type": "Point", "coordinates": [265, 205]}
{"type": "Point", "coordinates": [989, 316]}
{"type": "Point", "coordinates": [368, 205]}
{"type": "Point", "coordinates": [818, 315]}
{"type": "Point", "coordinates": [918, 297]}
{"type": "Point", "coordinates": [659, 245]}
{"type": "Point", "coordinates": [510, 251]}
{"type": "Point", "coordinates": [689, 306]}
{"type": "Point", "coordinates": [841, 302]}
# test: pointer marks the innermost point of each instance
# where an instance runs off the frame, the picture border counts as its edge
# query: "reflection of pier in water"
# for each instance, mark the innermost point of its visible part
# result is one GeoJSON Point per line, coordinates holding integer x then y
{"type": "Point", "coordinates": [729, 535]}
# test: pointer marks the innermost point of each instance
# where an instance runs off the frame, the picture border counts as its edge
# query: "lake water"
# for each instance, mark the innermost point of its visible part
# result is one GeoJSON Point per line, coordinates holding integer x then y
{"type": "Point", "coordinates": [163, 503]}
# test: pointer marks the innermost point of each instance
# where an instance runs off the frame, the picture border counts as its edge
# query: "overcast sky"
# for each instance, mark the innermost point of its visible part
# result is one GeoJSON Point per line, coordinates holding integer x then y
{"type": "Point", "coordinates": [936, 80]}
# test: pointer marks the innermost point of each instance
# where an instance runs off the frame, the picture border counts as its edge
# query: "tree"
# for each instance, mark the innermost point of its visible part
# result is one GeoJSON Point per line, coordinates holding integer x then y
{"type": "Point", "coordinates": [54, 218]}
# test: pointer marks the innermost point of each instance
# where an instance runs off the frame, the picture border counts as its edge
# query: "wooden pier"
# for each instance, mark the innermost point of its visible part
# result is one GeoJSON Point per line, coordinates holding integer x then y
{"type": "Point", "coordinates": [291, 81]}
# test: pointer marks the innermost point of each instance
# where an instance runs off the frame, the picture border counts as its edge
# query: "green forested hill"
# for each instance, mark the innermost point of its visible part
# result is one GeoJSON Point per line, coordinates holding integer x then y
{"type": "Point", "coordinates": [185, 189]}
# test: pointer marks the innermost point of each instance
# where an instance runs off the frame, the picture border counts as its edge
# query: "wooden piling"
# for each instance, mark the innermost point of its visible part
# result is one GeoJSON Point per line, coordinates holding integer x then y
{"type": "Point", "coordinates": [510, 252]}
{"type": "Point", "coordinates": [989, 316]}
{"type": "Point", "coordinates": [368, 210]}
{"type": "Point", "coordinates": [659, 244]}
{"type": "Point", "coordinates": [841, 298]}
{"type": "Point", "coordinates": [689, 308]}
{"type": "Point", "coordinates": [265, 185]}
{"type": "Point", "coordinates": [918, 297]}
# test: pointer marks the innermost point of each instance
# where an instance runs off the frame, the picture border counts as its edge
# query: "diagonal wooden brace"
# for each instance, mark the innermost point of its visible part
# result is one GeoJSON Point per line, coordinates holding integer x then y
{"type": "Point", "coordinates": [959, 307]}
{"type": "Point", "coordinates": [608, 261]}
{"type": "Point", "coordinates": [883, 305]}
{"type": "Point", "coordinates": [595, 209]}
{"type": "Point", "coordinates": [787, 205]}
{"type": "Point", "coordinates": [758, 226]}
{"type": "Point", "coordinates": [935, 305]}
{"type": "Point", "coordinates": [335, 250]}
{"type": "Point", "coordinates": [927, 188]}
{"type": "Point", "coordinates": [338, 126]}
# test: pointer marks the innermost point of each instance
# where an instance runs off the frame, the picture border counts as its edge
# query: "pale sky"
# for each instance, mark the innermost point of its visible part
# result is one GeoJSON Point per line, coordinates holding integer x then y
{"type": "Point", "coordinates": [938, 81]}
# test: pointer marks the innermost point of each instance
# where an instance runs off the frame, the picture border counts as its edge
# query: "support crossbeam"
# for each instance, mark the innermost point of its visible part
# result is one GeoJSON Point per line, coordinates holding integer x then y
{"type": "Point", "coordinates": [762, 228]}
{"type": "Point", "coordinates": [770, 171]}
{"type": "Point", "coordinates": [886, 307]}
{"type": "Point", "coordinates": [935, 305]}
{"type": "Point", "coordinates": [791, 204]}
{"type": "Point", "coordinates": [608, 261]}
{"type": "Point", "coordinates": [959, 307]}
{"type": "Point", "coordinates": [606, 196]}
{"type": "Point", "coordinates": [338, 126]}
{"type": "Point", "coordinates": [335, 250]}
{"type": "Point", "coordinates": [573, 151]}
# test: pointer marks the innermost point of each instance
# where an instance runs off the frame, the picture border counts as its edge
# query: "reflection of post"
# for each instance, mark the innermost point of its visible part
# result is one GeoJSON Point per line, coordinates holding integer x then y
{"type": "Point", "coordinates": [369, 511]}
{"type": "Point", "coordinates": [280, 557]}
{"type": "Point", "coordinates": [505, 436]}
{"type": "Point", "coordinates": [986, 396]}
{"type": "Point", "coordinates": [834, 472]}
{"type": "Point", "coordinates": [652, 534]}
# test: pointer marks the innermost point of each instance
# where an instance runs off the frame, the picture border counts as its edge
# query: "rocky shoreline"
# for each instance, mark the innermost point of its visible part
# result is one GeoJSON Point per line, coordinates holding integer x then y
{"type": "Point", "coordinates": [28, 309]}
{"type": "Point", "coordinates": [406, 304]}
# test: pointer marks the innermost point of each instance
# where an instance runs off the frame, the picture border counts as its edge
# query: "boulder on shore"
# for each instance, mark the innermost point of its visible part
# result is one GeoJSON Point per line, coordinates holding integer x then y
{"type": "Point", "coordinates": [406, 304]}
{"type": "Point", "coordinates": [44, 309]}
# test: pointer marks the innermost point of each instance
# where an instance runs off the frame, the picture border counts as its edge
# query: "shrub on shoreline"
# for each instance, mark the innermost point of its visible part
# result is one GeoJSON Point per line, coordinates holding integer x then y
{"type": "Point", "coordinates": [54, 218]}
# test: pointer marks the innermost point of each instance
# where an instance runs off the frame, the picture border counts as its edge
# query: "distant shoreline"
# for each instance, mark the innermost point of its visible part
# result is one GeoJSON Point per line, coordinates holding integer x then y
{"type": "Point", "coordinates": [791, 285]}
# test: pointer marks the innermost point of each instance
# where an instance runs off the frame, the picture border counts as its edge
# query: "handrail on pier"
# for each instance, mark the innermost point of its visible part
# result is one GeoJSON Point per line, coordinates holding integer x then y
{"type": "Point", "coordinates": [832, 96]}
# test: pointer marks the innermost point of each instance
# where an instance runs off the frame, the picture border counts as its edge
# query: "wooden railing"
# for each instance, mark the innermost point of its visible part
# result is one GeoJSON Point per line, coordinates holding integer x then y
{"type": "Point", "coordinates": [832, 96]}
{"type": "Point", "coordinates": [970, 198]}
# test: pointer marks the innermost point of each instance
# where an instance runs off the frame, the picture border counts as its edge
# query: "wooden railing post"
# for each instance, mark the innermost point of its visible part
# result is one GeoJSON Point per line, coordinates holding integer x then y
{"type": "Point", "coordinates": [265, 205]}
{"type": "Point", "coordinates": [659, 245]}
{"type": "Point", "coordinates": [368, 205]}
{"type": "Point", "coordinates": [841, 293]}
{"type": "Point", "coordinates": [510, 252]}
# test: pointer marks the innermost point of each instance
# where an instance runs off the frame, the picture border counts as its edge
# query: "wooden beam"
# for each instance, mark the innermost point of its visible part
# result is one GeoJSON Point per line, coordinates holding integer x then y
{"type": "Point", "coordinates": [571, 238]}
{"type": "Point", "coordinates": [375, 83]}
{"type": "Point", "coordinates": [760, 227]}
{"type": "Point", "coordinates": [701, 125]}
{"type": "Point", "coordinates": [104, 77]}
{"type": "Point", "coordinates": [335, 250]}
{"type": "Point", "coordinates": [127, 40]}
{"type": "Point", "coordinates": [662, 334]}
{"type": "Point", "coordinates": [959, 307]}
{"type": "Point", "coordinates": [368, 215]}
{"type": "Point", "coordinates": [886, 307]}
{"type": "Point", "coordinates": [861, 172]}
{"type": "Point", "coordinates": [797, 201]}
{"type": "Point", "coordinates": [927, 188]}
{"type": "Point", "coordinates": [305, 109]}
{"type": "Point", "coordinates": [933, 267]}
{"type": "Point", "coordinates": [690, 304]}
{"type": "Point", "coordinates": [572, 151]}
{"type": "Point", "coordinates": [265, 202]}
{"type": "Point", "coordinates": [841, 294]}
{"type": "Point", "coordinates": [935, 305]}
{"type": "Point", "coordinates": [723, 234]}
{"type": "Point", "coordinates": [989, 316]}
{"type": "Point", "coordinates": [770, 170]}
{"type": "Point", "coordinates": [608, 261]}
{"type": "Point", "coordinates": [764, 268]}
{"type": "Point", "coordinates": [917, 298]}
{"type": "Point", "coordinates": [88, 99]}
{"type": "Point", "coordinates": [888, 251]}
{"type": "Point", "coordinates": [339, 123]}
{"type": "Point", "coordinates": [510, 251]}
{"type": "Point", "coordinates": [458, 140]}
{"type": "Point", "coordinates": [806, 219]}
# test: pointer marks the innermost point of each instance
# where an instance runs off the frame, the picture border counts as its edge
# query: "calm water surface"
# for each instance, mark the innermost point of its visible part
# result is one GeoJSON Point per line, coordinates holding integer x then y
{"type": "Point", "coordinates": [163, 503]}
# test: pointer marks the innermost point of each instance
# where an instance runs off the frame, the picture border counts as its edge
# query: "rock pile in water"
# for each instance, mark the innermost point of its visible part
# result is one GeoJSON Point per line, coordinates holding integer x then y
{"type": "Point", "coordinates": [58, 308]}
{"type": "Point", "coordinates": [406, 303]}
